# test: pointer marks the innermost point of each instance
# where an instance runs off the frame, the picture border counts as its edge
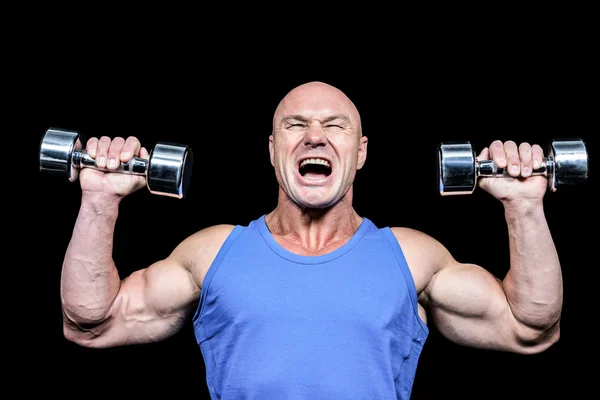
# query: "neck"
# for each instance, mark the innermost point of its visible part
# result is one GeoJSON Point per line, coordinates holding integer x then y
{"type": "Point", "coordinates": [313, 231]}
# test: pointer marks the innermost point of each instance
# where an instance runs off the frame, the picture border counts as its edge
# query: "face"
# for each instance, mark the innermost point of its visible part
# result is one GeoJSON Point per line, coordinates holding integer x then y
{"type": "Point", "coordinates": [316, 146]}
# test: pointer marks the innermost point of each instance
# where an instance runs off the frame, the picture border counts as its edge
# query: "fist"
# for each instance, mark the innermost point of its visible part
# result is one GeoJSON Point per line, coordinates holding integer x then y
{"type": "Point", "coordinates": [108, 154]}
{"type": "Point", "coordinates": [520, 161]}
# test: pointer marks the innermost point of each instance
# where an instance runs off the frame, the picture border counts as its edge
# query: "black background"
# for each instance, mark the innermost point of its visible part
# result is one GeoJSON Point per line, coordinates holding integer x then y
{"type": "Point", "coordinates": [182, 82]}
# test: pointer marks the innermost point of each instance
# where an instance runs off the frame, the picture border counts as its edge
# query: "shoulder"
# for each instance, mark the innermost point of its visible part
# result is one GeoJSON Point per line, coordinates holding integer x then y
{"type": "Point", "coordinates": [213, 233]}
{"type": "Point", "coordinates": [410, 239]}
{"type": "Point", "coordinates": [209, 239]}
{"type": "Point", "coordinates": [410, 234]}
{"type": "Point", "coordinates": [197, 252]}
{"type": "Point", "coordinates": [424, 254]}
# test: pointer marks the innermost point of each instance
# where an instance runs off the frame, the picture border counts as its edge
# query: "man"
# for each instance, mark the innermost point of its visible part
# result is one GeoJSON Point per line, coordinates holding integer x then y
{"type": "Point", "coordinates": [312, 300]}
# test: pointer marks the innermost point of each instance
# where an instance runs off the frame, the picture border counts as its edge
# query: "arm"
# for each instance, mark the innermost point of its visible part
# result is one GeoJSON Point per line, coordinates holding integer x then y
{"type": "Point", "coordinates": [520, 312]}
{"type": "Point", "coordinates": [151, 304]}
{"type": "Point", "coordinates": [99, 308]}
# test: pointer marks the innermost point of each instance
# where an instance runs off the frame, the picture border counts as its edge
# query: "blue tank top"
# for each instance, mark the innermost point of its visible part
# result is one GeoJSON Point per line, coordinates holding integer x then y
{"type": "Point", "coordinates": [272, 324]}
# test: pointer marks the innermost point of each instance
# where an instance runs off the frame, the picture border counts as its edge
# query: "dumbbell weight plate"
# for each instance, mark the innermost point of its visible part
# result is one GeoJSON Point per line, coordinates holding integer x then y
{"type": "Point", "coordinates": [570, 159]}
{"type": "Point", "coordinates": [169, 170]}
{"type": "Point", "coordinates": [456, 168]}
{"type": "Point", "coordinates": [56, 153]}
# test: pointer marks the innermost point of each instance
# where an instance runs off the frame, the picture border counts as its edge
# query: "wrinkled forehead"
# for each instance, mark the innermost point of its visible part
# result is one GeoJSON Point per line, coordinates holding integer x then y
{"type": "Point", "coordinates": [316, 101]}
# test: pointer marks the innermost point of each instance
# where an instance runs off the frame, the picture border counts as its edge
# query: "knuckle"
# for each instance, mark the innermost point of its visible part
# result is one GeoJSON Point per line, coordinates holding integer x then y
{"type": "Point", "coordinates": [525, 146]}
{"type": "Point", "coordinates": [496, 147]}
{"type": "Point", "coordinates": [93, 141]}
{"type": "Point", "coordinates": [132, 142]}
{"type": "Point", "coordinates": [103, 143]}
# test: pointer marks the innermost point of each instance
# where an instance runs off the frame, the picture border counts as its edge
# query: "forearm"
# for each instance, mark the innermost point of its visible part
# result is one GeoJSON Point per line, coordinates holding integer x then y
{"type": "Point", "coordinates": [533, 284]}
{"type": "Point", "coordinates": [90, 280]}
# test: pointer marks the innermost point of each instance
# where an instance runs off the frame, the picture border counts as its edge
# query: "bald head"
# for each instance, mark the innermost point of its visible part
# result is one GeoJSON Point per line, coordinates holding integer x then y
{"type": "Point", "coordinates": [312, 96]}
{"type": "Point", "coordinates": [317, 146]}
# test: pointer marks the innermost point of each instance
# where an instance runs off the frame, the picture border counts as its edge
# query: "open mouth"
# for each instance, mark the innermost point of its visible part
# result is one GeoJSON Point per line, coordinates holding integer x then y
{"type": "Point", "coordinates": [315, 168]}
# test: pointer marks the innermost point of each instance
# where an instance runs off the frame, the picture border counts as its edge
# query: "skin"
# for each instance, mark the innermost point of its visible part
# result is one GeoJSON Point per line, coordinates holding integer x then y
{"type": "Point", "coordinates": [519, 313]}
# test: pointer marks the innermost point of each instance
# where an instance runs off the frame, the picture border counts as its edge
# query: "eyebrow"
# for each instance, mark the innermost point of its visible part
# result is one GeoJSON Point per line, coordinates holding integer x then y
{"type": "Point", "coordinates": [300, 117]}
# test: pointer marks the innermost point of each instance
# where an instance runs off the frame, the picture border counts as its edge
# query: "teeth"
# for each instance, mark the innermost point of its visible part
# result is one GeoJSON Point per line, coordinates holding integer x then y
{"type": "Point", "coordinates": [318, 161]}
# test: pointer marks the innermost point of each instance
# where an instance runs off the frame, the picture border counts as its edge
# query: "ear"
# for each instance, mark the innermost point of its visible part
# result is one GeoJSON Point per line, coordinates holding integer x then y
{"type": "Point", "coordinates": [362, 152]}
{"type": "Point", "coordinates": [271, 151]}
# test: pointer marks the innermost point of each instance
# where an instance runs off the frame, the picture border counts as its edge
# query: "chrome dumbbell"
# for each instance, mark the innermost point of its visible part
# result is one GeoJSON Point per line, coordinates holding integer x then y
{"type": "Point", "coordinates": [458, 168]}
{"type": "Point", "coordinates": [168, 169]}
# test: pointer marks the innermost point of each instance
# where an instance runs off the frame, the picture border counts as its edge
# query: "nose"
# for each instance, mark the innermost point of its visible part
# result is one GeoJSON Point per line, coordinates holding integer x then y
{"type": "Point", "coordinates": [315, 136]}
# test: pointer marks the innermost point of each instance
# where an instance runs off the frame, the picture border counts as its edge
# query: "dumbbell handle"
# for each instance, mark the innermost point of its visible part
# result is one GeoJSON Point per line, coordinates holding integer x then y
{"type": "Point", "coordinates": [487, 168]}
{"type": "Point", "coordinates": [135, 166]}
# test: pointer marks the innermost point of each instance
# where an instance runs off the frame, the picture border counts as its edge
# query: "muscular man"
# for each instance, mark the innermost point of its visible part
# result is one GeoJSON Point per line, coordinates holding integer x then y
{"type": "Point", "coordinates": [312, 300]}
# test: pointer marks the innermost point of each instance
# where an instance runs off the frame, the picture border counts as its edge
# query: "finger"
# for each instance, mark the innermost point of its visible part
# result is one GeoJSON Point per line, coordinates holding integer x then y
{"type": "Point", "coordinates": [91, 145]}
{"type": "Point", "coordinates": [102, 151]}
{"type": "Point", "coordinates": [513, 161]}
{"type": "Point", "coordinates": [496, 153]}
{"type": "Point", "coordinates": [114, 152]}
{"type": "Point", "coordinates": [484, 154]}
{"type": "Point", "coordinates": [537, 155]}
{"type": "Point", "coordinates": [130, 149]}
{"type": "Point", "coordinates": [144, 153]}
{"type": "Point", "coordinates": [526, 159]}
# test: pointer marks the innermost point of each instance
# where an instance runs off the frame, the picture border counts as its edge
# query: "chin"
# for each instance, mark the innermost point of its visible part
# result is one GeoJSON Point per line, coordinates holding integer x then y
{"type": "Point", "coordinates": [315, 203]}
{"type": "Point", "coordinates": [308, 206]}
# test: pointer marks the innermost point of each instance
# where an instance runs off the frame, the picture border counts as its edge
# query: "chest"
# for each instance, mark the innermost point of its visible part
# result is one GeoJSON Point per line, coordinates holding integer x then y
{"type": "Point", "coordinates": [353, 291]}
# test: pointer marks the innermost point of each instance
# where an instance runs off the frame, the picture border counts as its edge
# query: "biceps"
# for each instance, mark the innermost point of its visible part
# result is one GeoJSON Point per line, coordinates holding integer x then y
{"type": "Point", "coordinates": [154, 302]}
{"type": "Point", "coordinates": [467, 290]}
{"type": "Point", "coordinates": [468, 305]}
{"type": "Point", "coordinates": [163, 290]}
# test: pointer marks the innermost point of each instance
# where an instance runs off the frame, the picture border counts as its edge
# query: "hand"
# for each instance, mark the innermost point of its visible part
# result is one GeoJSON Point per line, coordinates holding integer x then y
{"type": "Point", "coordinates": [108, 155]}
{"type": "Point", "coordinates": [519, 161]}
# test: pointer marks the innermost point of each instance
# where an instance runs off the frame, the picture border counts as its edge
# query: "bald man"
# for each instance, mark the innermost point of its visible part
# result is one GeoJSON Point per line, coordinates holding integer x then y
{"type": "Point", "coordinates": [312, 300]}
